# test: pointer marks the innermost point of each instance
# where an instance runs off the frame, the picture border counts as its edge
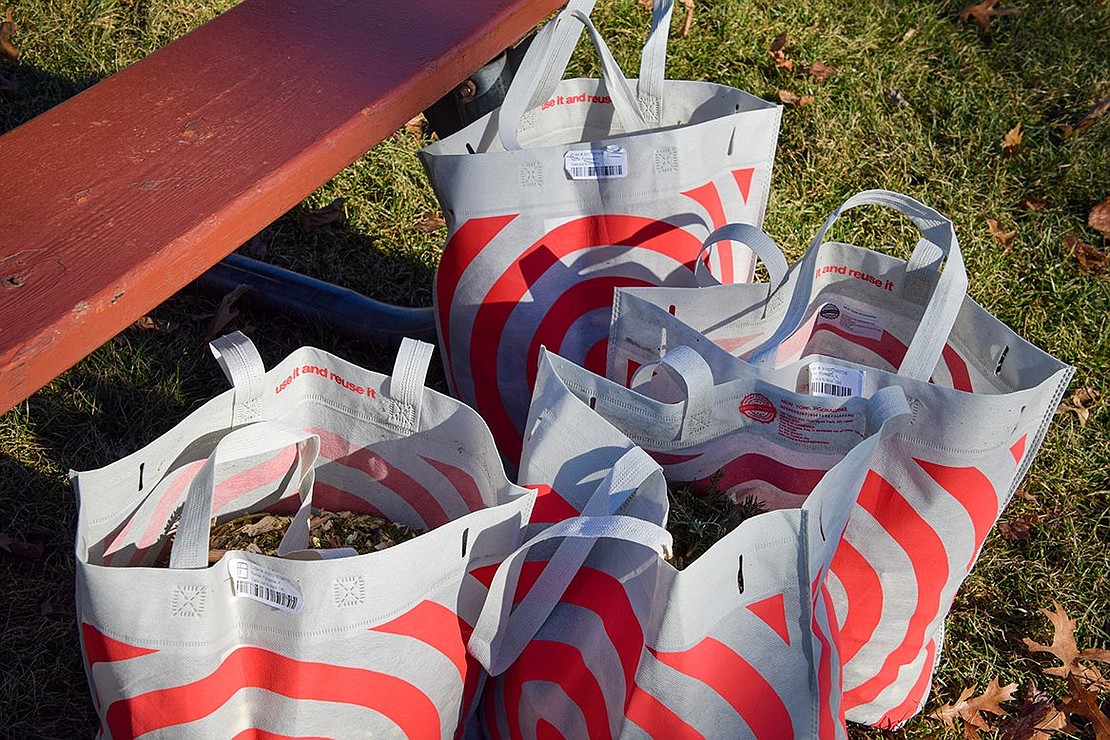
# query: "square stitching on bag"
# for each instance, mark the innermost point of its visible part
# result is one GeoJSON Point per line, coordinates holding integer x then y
{"type": "Point", "coordinates": [531, 175]}
{"type": "Point", "coordinates": [349, 591]}
{"type": "Point", "coordinates": [666, 159]}
{"type": "Point", "coordinates": [189, 601]}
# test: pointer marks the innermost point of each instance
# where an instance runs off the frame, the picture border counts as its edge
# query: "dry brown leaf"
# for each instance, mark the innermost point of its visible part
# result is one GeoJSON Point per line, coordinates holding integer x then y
{"type": "Point", "coordinates": [968, 707]}
{"type": "Point", "coordinates": [19, 548]}
{"type": "Point", "coordinates": [1034, 203]}
{"type": "Point", "coordinates": [908, 35]}
{"type": "Point", "coordinates": [984, 12]}
{"type": "Point", "coordinates": [1099, 109]}
{"type": "Point", "coordinates": [1017, 528]}
{"type": "Point", "coordinates": [1038, 718]}
{"type": "Point", "coordinates": [778, 53]}
{"type": "Point", "coordinates": [1003, 237]}
{"type": "Point", "coordinates": [7, 28]}
{"type": "Point", "coordinates": [225, 313]}
{"type": "Point", "coordinates": [1063, 639]}
{"type": "Point", "coordinates": [794, 100]}
{"type": "Point", "coordinates": [646, 4]}
{"type": "Point", "coordinates": [1099, 217]}
{"type": "Point", "coordinates": [415, 125]}
{"type": "Point", "coordinates": [149, 323]}
{"type": "Point", "coordinates": [1084, 703]}
{"type": "Point", "coordinates": [1079, 403]}
{"type": "Point", "coordinates": [331, 214]}
{"type": "Point", "coordinates": [821, 71]}
{"type": "Point", "coordinates": [689, 22]}
{"type": "Point", "coordinates": [1091, 259]}
{"type": "Point", "coordinates": [430, 222]}
{"type": "Point", "coordinates": [1011, 142]}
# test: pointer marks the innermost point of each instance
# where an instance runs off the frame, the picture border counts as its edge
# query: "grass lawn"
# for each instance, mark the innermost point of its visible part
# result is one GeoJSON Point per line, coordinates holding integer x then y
{"type": "Point", "coordinates": [919, 101]}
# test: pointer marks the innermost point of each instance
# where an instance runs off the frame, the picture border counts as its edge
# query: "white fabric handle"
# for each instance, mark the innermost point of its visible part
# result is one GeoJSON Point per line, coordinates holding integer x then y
{"type": "Point", "coordinates": [653, 63]}
{"type": "Point", "coordinates": [942, 309]}
{"type": "Point", "coordinates": [243, 367]}
{"type": "Point", "coordinates": [537, 76]}
{"type": "Point", "coordinates": [190, 544]}
{"type": "Point", "coordinates": [405, 387]}
{"type": "Point", "coordinates": [696, 377]}
{"type": "Point", "coordinates": [756, 240]}
{"type": "Point", "coordinates": [502, 632]}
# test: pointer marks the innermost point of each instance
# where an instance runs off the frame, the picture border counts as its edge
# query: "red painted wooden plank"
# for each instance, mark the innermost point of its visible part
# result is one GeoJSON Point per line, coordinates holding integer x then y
{"type": "Point", "coordinates": [120, 196]}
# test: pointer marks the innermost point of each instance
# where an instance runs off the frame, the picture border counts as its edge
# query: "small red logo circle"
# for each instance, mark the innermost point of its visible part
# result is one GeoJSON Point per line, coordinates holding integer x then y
{"type": "Point", "coordinates": [758, 407]}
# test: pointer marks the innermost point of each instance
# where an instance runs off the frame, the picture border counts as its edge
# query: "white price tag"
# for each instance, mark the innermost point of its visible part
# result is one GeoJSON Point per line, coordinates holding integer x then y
{"type": "Point", "coordinates": [258, 582]}
{"type": "Point", "coordinates": [596, 164]}
{"type": "Point", "coordinates": [835, 381]}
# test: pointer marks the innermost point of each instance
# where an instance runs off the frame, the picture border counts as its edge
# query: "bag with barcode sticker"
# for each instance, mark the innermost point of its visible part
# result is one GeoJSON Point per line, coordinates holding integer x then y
{"type": "Point", "coordinates": [319, 640]}
{"type": "Point", "coordinates": [731, 641]}
{"type": "Point", "coordinates": [847, 321]}
{"type": "Point", "coordinates": [574, 187]}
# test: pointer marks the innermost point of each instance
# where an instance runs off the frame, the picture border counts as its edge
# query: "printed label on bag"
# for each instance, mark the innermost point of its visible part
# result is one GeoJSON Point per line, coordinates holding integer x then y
{"type": "Point", "coordinates": [814, 425]}
{"type": "Point", "coordinates": [596, 164]}
{"type": "Point", "coordinates": [852, 321]}
{"type": "Point", "coordinates": [834, 381]}
{"type": "Point", "coordinates": [257, 582]}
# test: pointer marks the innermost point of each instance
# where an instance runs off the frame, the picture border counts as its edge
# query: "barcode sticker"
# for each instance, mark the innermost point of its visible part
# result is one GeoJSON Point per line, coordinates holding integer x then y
{"type": "Point", "coordinates": [257, 582]}
{"type": "Point", "coordinates": [834, 381]}
{"type": "Point", "coordinates": [596, 164]}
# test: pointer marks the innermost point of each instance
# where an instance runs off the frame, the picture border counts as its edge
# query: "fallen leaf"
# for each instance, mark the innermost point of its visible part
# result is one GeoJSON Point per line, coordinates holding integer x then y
{"type": "Point", "coordinates": [1100, 108]}
{"type": "Point", "coordinates": [779, 55]}
{"type": "Point", "coordinates": [1099, 217]}
{"type": "Point", "coordinates": [794, 100]}
{"type": "Point", "coordinates": [1011, 142]}
{"type": "Point", "coordinates": [984, 12]}
{"type": "Point", "coordinates": [1034, 203]}
{"type": "Point", "coordinates": [1079, 403]}
{"type": "Point", "coordinates": [225, 313]}
{"type": "Point", "coordinates": [1003, 237]}
{"type": "Point", "coordinates": [149, 323]}
{"type": "Point", "coordinates": [895, 97]}
{"type": "Point", "coordinates": [415, 125]}
{"type": "Point", "coordinates": [1091, 259]}
{"type": "Point", "coordinates": [1038, 718]}
{"type": "Point", "coordinates": [1017, 528]}
{"type": "Point", "coordinates": [689, 22]}
{"type": "Point", "coordinates": [1063, 639]}
{"type": "Point", "coordinates": [7, 28]}
{"type": "Point", "coordinates": [646, 4]}
{"type": "Point", "coordinates": [430, 222]}
{"type": "Point", "coordinates": [968, 708]}
{"type": "Point", "coordinates": [1084, 703]}
{"type": "Point", "coordinates": [331, 214]}
{"type": "Point", "coordinates": [908, 35]}
{"type": "Point", "coordinates": [821, 71]}
{"type": "Point", "coordinates": [19, 548]}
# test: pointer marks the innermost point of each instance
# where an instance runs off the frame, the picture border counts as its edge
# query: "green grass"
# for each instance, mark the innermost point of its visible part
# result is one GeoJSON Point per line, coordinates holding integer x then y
{"type": "Point", "coordinates": [965, 89]}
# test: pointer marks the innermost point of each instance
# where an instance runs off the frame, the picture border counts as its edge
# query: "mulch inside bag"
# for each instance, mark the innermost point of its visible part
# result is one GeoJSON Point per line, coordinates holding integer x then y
{"type": "Point", "coordinates": [261, 533]}
{"type": "Point", "coordinates": [701, 515]}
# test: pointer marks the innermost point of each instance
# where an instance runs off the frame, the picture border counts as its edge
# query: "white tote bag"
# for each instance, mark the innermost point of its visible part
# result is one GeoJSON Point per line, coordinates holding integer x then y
{"type": "Point", "coordinates": [318, 642]}
{"type": "Point", "coordinates": [573, 188]}
{"type": "Point", "coordinates": [849, 321]}
{"type": "Point", "coordinates": [738, 644]}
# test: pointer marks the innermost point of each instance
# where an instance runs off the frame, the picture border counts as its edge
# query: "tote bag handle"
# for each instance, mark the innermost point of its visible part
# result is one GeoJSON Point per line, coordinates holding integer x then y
{"type": "Point", "coordinates": [500, 635]}
{"type": "Point", "coordinates": [754, 239]}
{"type": "Point", "coordinates": [190, 544]}
{"type": "Point", "coordinates": [939, 244]}
{"type": "Point", "coordinates": [543, 67]}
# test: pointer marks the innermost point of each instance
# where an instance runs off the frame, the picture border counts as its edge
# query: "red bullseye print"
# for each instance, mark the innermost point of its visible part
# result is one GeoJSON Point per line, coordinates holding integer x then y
{"type": "Point", "coordinates": [758, 407]}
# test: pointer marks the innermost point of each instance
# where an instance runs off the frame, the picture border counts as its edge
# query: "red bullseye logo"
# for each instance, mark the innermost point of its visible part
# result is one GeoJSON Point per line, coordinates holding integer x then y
{"type": "Point", "coordinates": [758, 407]}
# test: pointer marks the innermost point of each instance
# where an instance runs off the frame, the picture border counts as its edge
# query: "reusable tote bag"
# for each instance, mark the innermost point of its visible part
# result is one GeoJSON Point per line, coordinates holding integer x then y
{"type": "Point", "coordinates": [319, 642]}
{"type": "Point", "coordinates": [572, 188]}
{"type": "Point", "coordinates": [849, 321]}
{"type": "Point", "coordinates": [739, 643]}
